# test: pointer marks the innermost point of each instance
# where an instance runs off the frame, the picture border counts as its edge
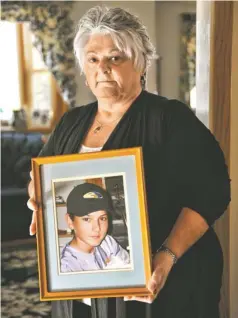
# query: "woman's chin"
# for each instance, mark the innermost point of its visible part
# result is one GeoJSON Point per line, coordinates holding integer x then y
{"type": "Point", "coordinates": [107, 92]}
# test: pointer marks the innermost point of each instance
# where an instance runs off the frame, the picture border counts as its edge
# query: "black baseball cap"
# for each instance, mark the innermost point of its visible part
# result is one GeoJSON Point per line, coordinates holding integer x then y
{"type": "Point", "coordinates": [86, 198]}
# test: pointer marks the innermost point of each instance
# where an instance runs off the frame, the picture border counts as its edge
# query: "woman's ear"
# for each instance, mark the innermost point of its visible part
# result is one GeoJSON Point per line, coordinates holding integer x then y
{"type": "Point", "coordinates": [69, 221]}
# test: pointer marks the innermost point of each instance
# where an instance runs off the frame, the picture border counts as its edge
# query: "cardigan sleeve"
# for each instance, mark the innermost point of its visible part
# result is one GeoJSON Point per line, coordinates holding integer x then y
{"type": "Point", "coordinates": [196, 164]}
{"type": "Point", "coordinates": [50, 145]}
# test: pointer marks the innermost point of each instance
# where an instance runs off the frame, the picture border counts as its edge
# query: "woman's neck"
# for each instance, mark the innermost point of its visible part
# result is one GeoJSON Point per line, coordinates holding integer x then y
{"type": "Point", "coordinates": [110, 108]}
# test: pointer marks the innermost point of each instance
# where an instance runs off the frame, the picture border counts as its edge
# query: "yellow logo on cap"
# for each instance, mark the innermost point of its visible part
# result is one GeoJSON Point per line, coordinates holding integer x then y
{"type": "Point", "coordinates": [93, 195]}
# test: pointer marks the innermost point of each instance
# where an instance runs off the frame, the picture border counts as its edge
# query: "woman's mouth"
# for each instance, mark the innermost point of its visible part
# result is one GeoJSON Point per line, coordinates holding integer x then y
{"type": "Point", "coordinates": [107, 83]}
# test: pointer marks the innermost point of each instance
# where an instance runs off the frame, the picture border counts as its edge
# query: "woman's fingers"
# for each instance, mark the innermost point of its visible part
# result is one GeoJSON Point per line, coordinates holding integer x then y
{"type": "Point", "coordinates": [153, 284]}
{"type": "Point", "coordinates": [31, 189]}
{"type": "Point", "coordinates": [32, 205]}
{"type": "Point", "coordinates": [162, 267]}
{"type": "Point", "coordinates": [156, 281]}
{"type": "Point", "coordinates": [128, 298]}
{"type": "Point", "coordinates": [33, 224]}
{"type": "Point", "coordinates": [145, 299]}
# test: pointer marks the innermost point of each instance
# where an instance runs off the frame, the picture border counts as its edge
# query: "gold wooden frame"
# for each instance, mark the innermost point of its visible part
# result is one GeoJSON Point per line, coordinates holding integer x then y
{"type": "Point", "coordinates": [45, 293]}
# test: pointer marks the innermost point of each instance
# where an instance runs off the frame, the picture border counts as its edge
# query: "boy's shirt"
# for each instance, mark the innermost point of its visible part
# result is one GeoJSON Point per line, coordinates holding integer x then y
{"type": "Point", "coordinates": [109, 254]}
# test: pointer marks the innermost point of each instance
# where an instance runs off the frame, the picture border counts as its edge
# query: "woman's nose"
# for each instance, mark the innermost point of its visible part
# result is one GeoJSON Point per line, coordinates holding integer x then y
{"type": "Point", "coordinates": [104, 67]}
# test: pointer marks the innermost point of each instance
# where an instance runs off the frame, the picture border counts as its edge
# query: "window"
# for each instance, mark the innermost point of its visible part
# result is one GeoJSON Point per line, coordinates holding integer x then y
{"type": "Point", "coordinates": [11, 98]}
{"type": "Point", "coordinates": [26, 83]}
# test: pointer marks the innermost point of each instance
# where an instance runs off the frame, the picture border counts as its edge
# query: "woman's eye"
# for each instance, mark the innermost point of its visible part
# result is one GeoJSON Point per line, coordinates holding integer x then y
{"type": "Point", "coordinates": [115, 58]}
{"type": "Point", "coordinates": [92, 60]}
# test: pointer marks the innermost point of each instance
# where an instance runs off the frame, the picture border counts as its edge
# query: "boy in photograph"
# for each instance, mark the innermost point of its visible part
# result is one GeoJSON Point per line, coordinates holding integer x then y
{"type": "Point", "coordinates": [89, 216]}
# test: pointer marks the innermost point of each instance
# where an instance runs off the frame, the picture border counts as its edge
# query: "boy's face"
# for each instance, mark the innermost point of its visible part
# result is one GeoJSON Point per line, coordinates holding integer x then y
{"type": "Point", "coordinates": [89, 229]}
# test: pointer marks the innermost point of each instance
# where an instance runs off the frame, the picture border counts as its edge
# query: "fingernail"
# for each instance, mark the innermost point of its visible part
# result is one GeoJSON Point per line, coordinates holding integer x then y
{"type": "Point", "coordinates": [30, 231]}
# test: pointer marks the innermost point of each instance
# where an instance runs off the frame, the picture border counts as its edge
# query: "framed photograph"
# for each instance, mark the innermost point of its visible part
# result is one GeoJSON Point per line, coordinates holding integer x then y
{"type": "Point", "coordinates": [92, 225]}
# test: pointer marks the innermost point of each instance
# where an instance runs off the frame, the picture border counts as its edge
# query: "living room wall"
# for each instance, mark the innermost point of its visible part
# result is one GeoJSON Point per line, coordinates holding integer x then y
{"type": "Point", "coordinates": [168, 43]}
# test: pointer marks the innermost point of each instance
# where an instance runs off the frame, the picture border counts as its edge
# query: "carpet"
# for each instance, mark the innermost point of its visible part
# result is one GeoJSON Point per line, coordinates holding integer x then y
{"type": "Point", "coordinates": [20, 289]}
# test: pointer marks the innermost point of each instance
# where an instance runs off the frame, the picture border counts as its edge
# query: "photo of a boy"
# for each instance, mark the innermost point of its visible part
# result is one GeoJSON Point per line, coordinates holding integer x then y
{"type": "Point", "coordinates": [89, 215]}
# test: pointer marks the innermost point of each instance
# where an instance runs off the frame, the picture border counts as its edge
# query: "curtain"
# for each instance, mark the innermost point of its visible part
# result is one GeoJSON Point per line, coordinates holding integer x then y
{"type": "Point", "coordinates": [188, 56]}
{"type": "Point", "coordinates": [53, 30]}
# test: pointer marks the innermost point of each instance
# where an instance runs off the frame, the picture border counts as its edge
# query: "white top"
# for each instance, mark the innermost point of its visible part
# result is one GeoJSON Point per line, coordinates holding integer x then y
{"type": "Point", "coordinates": [89, 149]}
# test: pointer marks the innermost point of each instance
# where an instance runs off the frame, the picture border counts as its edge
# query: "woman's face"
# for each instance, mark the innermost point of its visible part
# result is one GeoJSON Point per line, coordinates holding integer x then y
{"type": "Point", "coordinates": [89, 229]}
{"type": "Point", "coordinates": [109, 73]}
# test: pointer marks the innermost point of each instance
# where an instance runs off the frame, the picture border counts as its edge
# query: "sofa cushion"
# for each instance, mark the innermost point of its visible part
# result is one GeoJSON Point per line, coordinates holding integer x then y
{"type": "Point", "coordinates": [21, 170]}
{"type": "Point", "coordinates": [17, 149]}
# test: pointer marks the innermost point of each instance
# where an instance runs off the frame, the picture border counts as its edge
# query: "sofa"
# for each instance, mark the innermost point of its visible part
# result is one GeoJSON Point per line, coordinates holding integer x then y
{"type": "Point", "coordinates": [17, 149]}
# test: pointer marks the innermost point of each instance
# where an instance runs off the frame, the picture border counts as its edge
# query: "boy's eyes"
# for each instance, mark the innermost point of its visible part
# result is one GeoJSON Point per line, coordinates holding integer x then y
{"type": "Point", "coordinates": [102, 218]}
{"type": "Point", "coordinates": [86, 219]}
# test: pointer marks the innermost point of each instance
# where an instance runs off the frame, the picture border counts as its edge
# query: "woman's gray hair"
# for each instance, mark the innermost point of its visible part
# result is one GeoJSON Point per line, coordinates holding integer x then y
{"type": "Point", "coordinates": [127, 31]}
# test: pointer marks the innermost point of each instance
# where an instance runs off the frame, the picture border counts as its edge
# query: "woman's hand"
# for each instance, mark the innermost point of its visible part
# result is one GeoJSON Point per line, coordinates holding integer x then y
{"type": "Point", "coordinates": [162, 265]}
{"type": "Point", "coordinates": [188, 229]}
{"type": "Point", "coordinates": [32, 205]}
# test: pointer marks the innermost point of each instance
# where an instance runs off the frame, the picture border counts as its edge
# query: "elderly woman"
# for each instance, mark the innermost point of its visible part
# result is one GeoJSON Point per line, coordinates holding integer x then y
{"type": "Point", "coordinates": [186, 178]}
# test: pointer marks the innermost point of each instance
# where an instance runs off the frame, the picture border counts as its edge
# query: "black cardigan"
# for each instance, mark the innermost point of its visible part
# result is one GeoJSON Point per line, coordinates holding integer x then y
{"type": "Point", "coordinates": [183, 163]}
